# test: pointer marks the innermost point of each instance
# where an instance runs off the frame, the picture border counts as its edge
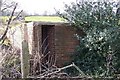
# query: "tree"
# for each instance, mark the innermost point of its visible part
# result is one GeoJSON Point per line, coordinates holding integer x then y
{"type": "Point", "coordinates": [11, 7]}
{"type": "Point", "coordinates": [98, 52]}
{"type": "Point", "coordinates": [6, 67]}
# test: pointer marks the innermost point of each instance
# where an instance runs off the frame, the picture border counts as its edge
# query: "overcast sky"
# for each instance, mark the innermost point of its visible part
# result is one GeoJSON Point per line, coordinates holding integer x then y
{"type": "Point", "coordinates": [40, 6]}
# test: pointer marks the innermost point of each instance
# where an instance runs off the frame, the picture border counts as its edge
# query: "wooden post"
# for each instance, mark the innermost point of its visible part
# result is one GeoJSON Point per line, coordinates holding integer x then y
{"type": "Point", "coordinates": [25, 54]}
{"type": "Point", "coordinates": [25, 59]}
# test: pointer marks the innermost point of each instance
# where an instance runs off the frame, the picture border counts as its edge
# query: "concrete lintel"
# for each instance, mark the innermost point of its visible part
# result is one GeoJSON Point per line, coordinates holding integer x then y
{"type": "Point", "coordinates": [51, 23]}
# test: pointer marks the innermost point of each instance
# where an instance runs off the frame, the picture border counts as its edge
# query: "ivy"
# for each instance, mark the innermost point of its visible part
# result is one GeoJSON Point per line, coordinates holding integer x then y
{"type": "Point", "coordinates": [99, 50]}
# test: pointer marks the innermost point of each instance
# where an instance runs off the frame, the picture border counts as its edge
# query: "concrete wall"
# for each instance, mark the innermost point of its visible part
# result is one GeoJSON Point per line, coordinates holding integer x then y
{"type": "Point", "coordinates": [15, 36]}
{"type": "Point", "coordinates": [65, 43]}
{"type": "Point", "coordinates": [20, 32]}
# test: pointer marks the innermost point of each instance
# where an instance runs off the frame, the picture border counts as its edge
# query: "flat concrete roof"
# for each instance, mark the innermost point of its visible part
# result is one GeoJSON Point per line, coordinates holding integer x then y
{"type": "Point", "coordinates": [44, 18]}
{"type": "Point", "coordinates": [39, 23]}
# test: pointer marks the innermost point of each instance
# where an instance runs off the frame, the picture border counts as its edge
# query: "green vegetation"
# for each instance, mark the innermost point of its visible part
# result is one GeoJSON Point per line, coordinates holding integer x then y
{"type": "Point", "coordinates": [44, 18]}
{"type": "Point", "coordinates": [99, 49]}
{"type": "Point", "coordinates": [40, 18]}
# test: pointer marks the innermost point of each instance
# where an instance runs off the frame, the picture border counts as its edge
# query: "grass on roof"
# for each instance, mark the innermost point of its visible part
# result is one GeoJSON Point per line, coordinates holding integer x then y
{"type": "Point", "coordinates": [44, 18]}
{"type": "Point", "coordinates": [40, 18]}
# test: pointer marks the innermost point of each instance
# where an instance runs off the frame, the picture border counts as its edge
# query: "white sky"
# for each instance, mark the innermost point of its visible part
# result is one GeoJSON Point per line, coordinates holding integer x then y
{"type": "Point", "coordinates": [40, 6]}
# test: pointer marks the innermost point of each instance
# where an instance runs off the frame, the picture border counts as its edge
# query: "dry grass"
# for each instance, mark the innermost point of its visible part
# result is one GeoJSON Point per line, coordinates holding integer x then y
{"type": "Point", "coordinates": [10, 62]}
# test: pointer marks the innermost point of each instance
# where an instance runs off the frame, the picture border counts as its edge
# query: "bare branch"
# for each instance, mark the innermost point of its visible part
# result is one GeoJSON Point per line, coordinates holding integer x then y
{"type": "Point", "coordinates": [60, 69]}
{"type": "Point", "coordinates": [9, 21]}
{"type": "Point", "coordinates": [6, 8]}
{"type": "Point", "coordinates": [79, 70]}
{"type": "Point", "coordinates": [18, 15]}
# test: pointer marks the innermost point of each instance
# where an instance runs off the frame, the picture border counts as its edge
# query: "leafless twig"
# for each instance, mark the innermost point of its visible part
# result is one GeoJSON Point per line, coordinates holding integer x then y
{"type": "Point", "coordinates": [18, 15]}
{"type": "Point", "coordinates": [6, 8]}
{"type": "Point", "coordinates": [9, 21]}
{"type": "Point", "coordinates": [48, 73]}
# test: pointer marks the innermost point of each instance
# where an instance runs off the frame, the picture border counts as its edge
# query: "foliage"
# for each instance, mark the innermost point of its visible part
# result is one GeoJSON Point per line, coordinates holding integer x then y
{"type": "Point", "coordinates": [99, 51]}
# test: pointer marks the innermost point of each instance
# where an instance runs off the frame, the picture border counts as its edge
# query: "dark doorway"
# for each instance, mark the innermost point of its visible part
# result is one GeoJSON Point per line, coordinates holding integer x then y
{"type": "Point", "coordinates": [45, 39]}
{"type": "Point", "coordinates": [47, 43]}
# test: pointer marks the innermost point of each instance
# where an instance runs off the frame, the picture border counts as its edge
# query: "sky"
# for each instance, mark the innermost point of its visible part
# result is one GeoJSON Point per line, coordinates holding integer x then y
{"type": "Point", "coordinates": [42, 6]}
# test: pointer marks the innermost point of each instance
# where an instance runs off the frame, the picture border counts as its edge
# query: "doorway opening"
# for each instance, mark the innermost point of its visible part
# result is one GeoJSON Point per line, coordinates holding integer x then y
{"type": "Point", "coordinates": [47, 43]}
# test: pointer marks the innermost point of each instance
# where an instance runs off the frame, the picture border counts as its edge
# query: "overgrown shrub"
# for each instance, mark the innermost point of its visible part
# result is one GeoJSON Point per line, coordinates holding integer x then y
{"type": "Point", "coordinates": [10, 62]}
{"type": "Point", "coordinates": [99, 51]}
